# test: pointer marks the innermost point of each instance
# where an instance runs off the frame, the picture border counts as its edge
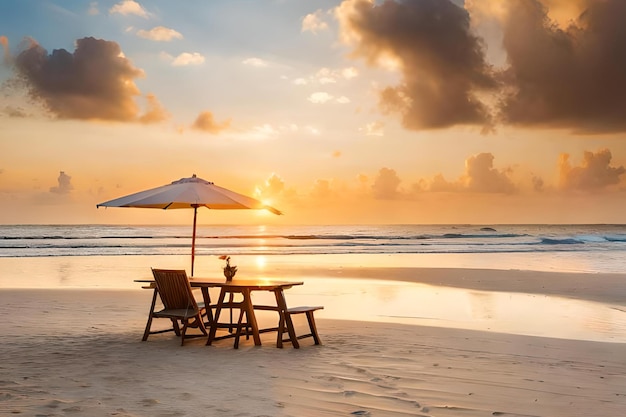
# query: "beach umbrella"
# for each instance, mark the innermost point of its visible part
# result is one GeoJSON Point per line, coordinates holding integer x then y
{"type": "Point", "coordinates": [187, 193]}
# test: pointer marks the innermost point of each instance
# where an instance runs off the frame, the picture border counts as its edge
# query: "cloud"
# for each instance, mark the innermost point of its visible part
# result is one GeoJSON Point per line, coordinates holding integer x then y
{"type": "Point", "coordinates": [65, 185]}
{"type": "Point", "coordinates": [273, 187]}
{"type": "Point", "coordinates": [481, 176]}
{"type": "Point", "coordinates": [127, 7]}
{"type": "Point", "coordinates": [155, 112]}
{"type": "Point", "coordinates": [349, 73]}
{"type": "Point", "coordinates": [207, 123]}
{"type": "Point", "coordinates": [566, 75]}
{"type": "Point", "coordinates": [160, 34]}
{"type": "Point", "coordinates": [559, 65]}
{"type": "Point", "coordinates": [188, 58]}
{"type": "Point", "coordinates": [320, 97]}
{"type": "Point", "coordinates": [94, 82]}
{"type": "Point", "coordinates": [438, 184]}
{"type": "Point", "coordinates": [17, 112]}
{"type": "Point", "coordinates": [322, 191]}
{"type": "Point", "coordinates": [376, 128]}
{"type": "Point", "coordinates": [314, 23]}
{"type": "Point", "coordinates": [93, 9]}
{"type": "Point", "coordinates": [4, 41]}
{"type": "Point", "coordinates": [538, 183]}
{"type": "Point", "coordinates": [441, 61]}
{"type": "Point", "coordinates": [312, 130]}
{"type": "Point", "coordinates": [329, 76]}
{"type": "Point", "coordinates": [595, 172]}
{"type": "Point", "coordinates": [386, 185]}
{"type": "Point", "coordinates": [255, 62]}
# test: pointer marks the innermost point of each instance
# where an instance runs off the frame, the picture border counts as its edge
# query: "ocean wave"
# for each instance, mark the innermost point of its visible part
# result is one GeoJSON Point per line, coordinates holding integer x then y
{"type": "Point", "coordinates": [565, 241]}
{"type": "Point", "coordinates": [24, 241]}
{"type": "Point", "coordinates": [275, 236]}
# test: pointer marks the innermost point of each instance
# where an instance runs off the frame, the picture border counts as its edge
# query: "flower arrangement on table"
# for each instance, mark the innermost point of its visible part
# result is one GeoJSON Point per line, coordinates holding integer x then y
{"type": "Point", "coordinates": [229, 270]}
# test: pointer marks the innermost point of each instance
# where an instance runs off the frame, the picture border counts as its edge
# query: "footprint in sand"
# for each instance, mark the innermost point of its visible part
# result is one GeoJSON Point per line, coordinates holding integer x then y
{"type": "Point", "coordinates": [147, 402]}
{"type": "Point", "coordinates": [73, 409]}
{"type": "Point", "coordinates": [54, 404]}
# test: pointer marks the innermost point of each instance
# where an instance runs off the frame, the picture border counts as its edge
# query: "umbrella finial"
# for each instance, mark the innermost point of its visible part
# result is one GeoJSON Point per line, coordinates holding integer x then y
{"type": "Point", "coordinates": [193, 176]}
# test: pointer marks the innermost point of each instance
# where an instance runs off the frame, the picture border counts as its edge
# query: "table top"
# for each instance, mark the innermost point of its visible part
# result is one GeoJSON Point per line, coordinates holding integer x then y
{"type": "Point", "coordinates": [258, 284]}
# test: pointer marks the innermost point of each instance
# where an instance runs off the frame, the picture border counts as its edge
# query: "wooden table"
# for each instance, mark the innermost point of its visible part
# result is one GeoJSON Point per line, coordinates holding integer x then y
{"type": "Point", "coordinates": [245, 288]}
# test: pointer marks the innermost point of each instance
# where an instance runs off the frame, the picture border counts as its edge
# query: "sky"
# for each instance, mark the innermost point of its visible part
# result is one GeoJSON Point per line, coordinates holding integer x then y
{"type": "Point", "coordinates": [334, 112]}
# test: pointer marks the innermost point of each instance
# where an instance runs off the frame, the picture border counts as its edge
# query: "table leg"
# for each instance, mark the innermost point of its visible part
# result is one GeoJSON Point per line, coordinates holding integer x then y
{"type": "Point", "coordinates": [231, 299]}
{"type": "Point", "coordinates": [218, 309]}
{"type": "Point", "coordinates": [249, 308]}
{"type": "Point", "coordinates": [285, 318]}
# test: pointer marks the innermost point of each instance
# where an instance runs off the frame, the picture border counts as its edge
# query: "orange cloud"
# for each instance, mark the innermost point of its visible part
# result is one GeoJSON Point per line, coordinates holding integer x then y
{"type": "Point", "coordinates": [94, 82]}
{"type": "Point", "coordinates": [159, 34]}
{"type": "Point", "coordinates": [206, 122]}
{"type": "Point", "coordinates": [65, 185]}
{"type": "Point", "coordinates": [386, 184]}
{"type": "Point", "coordinates": [479, 176]}
{"type": "Point", "coordinates": [273, 187]}
{"type": "Point", "coordinates": [322, 191]}
{"type": "Point", "coordinates": [155, 112]}
{"type": "Point", "coordinates": [595, 172]}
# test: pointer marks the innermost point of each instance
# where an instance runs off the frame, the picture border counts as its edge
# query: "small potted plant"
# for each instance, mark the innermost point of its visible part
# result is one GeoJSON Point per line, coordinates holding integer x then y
{"type": "Point", "coordinates": [229, 270]}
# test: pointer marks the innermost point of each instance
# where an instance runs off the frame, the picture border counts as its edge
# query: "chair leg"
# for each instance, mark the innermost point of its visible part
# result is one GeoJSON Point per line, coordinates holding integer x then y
{"type": "Point", "coordinates": [146, 333]}
{"type": "Point", "coordinates": [201, 324]}
{"type": "Point", "coordinates": [311, 319]}
{"type": "Point", "coordinates": [183, 331]}
{"type": "Point", "coordinates": [175, 326]}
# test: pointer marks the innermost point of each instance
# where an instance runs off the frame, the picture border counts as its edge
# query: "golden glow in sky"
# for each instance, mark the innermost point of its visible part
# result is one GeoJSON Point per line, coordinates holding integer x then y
{"type": "Point", "coordinates": [342, 111]}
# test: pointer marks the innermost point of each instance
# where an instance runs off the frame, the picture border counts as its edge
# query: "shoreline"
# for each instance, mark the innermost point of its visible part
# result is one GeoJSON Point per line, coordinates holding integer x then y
{"type": "Point", "coordinates": [118, 272]}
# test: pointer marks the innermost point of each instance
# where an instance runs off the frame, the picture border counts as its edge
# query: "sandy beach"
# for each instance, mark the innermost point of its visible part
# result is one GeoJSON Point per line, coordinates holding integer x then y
{"type": "Point", "coordinates": [77, 352]}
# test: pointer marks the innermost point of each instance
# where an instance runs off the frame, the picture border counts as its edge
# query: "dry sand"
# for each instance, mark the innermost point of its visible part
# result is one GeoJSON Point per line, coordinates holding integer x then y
{"type": "Point", "coordinates": [77, 352]}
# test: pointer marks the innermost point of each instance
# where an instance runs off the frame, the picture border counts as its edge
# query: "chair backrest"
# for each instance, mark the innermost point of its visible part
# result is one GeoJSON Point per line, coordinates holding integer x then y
{"type": "Point", "coordinates": [174, 289]}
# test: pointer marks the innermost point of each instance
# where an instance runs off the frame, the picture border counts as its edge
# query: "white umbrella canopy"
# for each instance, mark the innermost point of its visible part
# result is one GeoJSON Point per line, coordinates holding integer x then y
{"type": "Point", "coordinates": [190, 192]}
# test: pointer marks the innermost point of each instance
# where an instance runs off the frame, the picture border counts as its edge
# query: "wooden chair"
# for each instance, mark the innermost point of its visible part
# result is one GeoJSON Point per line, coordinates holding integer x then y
{"type": "Point", "coordinates": [308, 311]}
{"type": "Point", "coordinates": [179, 303]}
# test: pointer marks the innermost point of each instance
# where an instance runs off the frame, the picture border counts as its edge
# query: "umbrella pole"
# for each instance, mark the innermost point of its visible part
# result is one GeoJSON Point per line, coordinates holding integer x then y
{"type": "Point", "coordinates": [193, 238]}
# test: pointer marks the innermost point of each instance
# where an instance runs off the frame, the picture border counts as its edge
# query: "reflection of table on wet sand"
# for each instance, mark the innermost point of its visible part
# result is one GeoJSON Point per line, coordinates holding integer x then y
{"type": "Point", "coordinates": [246, 307]}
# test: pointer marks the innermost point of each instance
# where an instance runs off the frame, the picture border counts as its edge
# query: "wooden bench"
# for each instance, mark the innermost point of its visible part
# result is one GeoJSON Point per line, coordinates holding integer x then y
{"type": "Point", "coordinates": [312, 327]}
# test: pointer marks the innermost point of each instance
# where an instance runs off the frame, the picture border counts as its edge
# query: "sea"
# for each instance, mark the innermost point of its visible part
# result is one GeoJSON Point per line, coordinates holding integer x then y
{"type": "Point", "coordinates": [111, 257]}
{"type": "Point", "coordinates": [595, 248]}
